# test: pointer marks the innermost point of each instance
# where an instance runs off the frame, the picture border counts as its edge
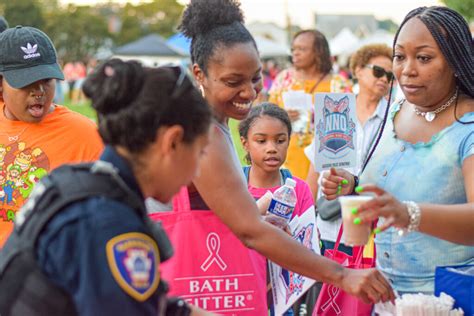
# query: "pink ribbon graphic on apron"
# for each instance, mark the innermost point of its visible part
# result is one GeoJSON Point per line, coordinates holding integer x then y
{"type": "Point", "coordinates": [213, 244]}
{"type": "Point", "coordinates": [332, 292]}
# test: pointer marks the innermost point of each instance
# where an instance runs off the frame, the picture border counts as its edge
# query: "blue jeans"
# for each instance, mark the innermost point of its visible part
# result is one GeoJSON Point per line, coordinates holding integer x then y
{"type": "Point", "coordinates": [326, 244]}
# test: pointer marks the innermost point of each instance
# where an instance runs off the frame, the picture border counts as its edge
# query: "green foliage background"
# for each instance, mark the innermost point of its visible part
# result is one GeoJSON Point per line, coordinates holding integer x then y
{"type": "Point", "coordinates": [465, 7]}
{"type": "Point", "coordinates": [79, 32]}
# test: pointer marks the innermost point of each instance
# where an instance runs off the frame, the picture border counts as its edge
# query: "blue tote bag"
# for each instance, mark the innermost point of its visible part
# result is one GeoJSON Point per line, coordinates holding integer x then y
{"type": "Point", "coordinates": [457, 281]}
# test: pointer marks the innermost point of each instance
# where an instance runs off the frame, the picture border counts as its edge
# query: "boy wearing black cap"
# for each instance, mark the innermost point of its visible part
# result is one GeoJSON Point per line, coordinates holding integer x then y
{"type": "Point", "coordinates": [35, 134]}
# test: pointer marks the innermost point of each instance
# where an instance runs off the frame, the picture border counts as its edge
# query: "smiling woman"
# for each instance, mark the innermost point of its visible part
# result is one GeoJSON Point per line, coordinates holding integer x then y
{"type": "Point", "coordinates": [227, 67]}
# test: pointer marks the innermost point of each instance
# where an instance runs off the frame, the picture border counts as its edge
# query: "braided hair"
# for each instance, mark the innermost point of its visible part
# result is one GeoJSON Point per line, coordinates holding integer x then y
{"type": "Point", "coordinates": [211, 24]}
{"type": "Point", "coordinates": [451, 32]}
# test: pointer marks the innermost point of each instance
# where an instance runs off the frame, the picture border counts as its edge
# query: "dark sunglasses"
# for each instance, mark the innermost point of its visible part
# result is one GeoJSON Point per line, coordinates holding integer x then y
{"type": "Point", "coordinates": [182, 83]}
{"type": "Point", "coordinates": [379, 72]}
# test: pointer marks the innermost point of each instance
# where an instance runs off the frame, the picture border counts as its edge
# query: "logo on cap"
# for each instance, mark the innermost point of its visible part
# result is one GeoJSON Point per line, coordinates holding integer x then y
{"type": "Point", "coordinates": [30, 51]}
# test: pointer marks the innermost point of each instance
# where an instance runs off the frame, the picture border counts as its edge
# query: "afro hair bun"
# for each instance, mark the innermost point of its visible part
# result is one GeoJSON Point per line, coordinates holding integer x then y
{"type": "Point", "coordinates": [201, 16]}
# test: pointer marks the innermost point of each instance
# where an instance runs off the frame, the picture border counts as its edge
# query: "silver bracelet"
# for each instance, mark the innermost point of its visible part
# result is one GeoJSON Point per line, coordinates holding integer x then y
{"type": "Point", "coordinates": [414, 212]}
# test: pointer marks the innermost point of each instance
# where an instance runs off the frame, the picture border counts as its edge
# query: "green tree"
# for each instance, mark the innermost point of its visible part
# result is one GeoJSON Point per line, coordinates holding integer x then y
{"type": "Point", "coordinates": [158, 16]}
{"type": "Point", "coordinates": [131, 26]}
{"type": "Point", "coordinates": [23, 12]}
{"type": "Point", "coordinates": [162, 16]}
{"type": "Point", "coordinates": [465, 7]}
{"type": "Point", "coordinates": [388, 25]}
{"type": "Point", "coordinates": [77, 32]}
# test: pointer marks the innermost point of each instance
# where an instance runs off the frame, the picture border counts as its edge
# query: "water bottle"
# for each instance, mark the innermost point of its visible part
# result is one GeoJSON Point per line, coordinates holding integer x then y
{"type": "Point", "coordinates": [284, 200]}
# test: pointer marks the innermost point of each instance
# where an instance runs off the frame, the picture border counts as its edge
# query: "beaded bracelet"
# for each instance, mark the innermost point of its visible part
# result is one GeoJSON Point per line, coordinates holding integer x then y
{"type": "Point", "coordinates": [414, 212]}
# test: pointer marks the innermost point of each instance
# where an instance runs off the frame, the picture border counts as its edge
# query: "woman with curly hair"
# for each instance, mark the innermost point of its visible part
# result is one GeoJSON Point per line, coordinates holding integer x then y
{"type": "Point", "coordinates": [227, 67]}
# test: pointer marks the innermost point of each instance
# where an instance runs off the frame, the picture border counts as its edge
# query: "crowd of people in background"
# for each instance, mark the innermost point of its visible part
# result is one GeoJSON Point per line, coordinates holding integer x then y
{"type": "Point", "coordinates": [160, 129]}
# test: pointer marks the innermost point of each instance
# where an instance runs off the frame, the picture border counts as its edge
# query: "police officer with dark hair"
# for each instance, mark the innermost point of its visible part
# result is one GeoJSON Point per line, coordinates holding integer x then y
{"type": "Point", "coordinates": [97, 253]}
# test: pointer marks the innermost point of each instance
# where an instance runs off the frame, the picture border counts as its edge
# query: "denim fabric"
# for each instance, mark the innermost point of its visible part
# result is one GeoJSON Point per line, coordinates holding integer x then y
{"type": "Point", "coordinates": [424, 173]}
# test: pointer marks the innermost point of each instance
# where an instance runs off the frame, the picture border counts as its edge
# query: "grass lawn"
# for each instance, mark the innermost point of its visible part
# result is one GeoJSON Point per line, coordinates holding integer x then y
{"type": "Point", "coordinates": [86, 110]}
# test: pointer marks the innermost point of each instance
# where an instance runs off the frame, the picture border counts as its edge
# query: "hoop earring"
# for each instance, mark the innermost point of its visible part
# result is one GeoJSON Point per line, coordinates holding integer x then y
{"type": "Point", "coordinates": [203, 93]}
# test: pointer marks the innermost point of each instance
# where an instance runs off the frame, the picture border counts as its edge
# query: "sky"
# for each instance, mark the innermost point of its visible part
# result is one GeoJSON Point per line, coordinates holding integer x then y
{"type": "Point", "coordinates": [302, 12]}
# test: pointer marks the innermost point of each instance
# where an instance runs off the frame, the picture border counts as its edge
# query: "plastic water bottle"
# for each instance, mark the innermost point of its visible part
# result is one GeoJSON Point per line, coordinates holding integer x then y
{"type": "Point", "coordinates": [284, 200]}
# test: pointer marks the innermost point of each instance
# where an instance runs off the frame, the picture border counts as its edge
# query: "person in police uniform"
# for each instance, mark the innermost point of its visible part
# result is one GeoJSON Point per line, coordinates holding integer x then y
{"type": "Point", "coordinates": [156, 127]}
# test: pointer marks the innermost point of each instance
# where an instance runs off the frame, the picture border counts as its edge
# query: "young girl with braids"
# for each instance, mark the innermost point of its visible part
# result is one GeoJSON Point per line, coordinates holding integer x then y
{"type": "Point", "coordinates": [423, 168]}
{"type": "Point", "coordinates": [227, 68]}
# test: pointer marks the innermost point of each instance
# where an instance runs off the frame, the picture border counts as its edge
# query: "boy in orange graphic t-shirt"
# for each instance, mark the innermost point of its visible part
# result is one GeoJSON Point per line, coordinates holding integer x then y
{"type": "Point", "coordinates": [36, 135]}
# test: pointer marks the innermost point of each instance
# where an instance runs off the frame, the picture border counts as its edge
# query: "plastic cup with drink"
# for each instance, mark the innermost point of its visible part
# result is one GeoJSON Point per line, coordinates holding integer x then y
{"type": "Point", "coordinates": [355, 234]}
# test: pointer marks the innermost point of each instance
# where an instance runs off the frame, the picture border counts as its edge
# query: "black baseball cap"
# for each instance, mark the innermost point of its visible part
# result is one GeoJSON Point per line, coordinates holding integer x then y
{"type": "Point", "coordinates": [27, 55]}
{"type": "Point", "coordinates": [3, 24]}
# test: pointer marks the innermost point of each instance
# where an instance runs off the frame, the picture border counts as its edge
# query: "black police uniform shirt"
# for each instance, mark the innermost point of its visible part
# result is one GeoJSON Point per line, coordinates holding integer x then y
{"type": "Point", "coordinates": [98, 251]}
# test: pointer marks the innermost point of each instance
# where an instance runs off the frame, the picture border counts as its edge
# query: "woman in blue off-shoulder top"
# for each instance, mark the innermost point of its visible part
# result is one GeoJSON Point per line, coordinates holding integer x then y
{"type": "Point", "coordinates": [422, 170]}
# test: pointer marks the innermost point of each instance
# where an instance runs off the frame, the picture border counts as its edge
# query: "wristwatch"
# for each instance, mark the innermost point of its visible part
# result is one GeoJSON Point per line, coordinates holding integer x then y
{"type": "Point", "coordinates": [356, 184]}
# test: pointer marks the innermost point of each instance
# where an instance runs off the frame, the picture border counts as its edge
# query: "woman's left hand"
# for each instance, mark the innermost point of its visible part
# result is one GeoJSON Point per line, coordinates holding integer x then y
{"type": "Point", "coordinates": [383, 205]}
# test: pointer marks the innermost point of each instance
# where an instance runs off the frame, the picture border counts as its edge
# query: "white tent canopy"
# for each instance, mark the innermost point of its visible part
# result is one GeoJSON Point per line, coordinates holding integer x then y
{"type": "Point", "coordinates": [269, 48]}
{"type": "Point", "coordinates": [378, 37]}
{"type": "Point", "coordinates": [342, 42]}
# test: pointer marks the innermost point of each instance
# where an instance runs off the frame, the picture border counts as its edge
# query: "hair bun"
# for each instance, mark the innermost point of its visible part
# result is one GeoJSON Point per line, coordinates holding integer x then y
{"type": "Point", "coordinates": [114, 85]}
{"type": "Point", "coordinates": [201, 16]}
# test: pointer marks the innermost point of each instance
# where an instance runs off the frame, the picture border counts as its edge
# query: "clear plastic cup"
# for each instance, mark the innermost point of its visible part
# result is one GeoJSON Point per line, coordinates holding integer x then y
{"type": "Point", "coordinates": [354, 234]}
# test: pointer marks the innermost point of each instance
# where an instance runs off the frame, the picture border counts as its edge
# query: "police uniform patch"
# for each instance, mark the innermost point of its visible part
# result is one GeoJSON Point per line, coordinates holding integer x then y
{"type": "Point", "coordinates": [133, 259]}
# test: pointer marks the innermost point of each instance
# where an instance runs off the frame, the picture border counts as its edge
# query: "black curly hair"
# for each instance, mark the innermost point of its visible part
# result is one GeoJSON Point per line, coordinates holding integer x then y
{"type": "Point", "coordinates": [212, 24]}
{"type": "Point", "coordinates": [133, 102]}
{"type": "Point", "coordinates": [263, 109]}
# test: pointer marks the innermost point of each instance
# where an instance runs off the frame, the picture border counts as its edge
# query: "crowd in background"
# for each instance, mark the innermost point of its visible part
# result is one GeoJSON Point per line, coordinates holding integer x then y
{"type": "Point", "coordinates": [412, 105]}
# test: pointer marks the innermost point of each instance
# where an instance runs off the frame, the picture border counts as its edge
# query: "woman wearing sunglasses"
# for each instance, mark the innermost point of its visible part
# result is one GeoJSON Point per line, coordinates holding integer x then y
{"type": "Point", "coordinates": [371, 65]}
{"type": "Point", "coordinates": [422, 171]}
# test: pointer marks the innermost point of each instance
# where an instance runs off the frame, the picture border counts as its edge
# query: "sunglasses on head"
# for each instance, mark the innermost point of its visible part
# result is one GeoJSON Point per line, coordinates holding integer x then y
{"type": "Point", "coordinates": [182, 83]}
{"type": "Point", "coordinates": [379, 72]}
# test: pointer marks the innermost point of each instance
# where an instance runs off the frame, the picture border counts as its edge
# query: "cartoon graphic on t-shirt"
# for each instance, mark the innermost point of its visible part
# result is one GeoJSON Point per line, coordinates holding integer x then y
{"type": "Point", "coordinates": [3, 179]}
{"type": "Point", "coordinates": [33, 176]}
{"type": "Point", "coordinates": [3, 152]}
{"type": "Point", "coordinates": [21, 168]}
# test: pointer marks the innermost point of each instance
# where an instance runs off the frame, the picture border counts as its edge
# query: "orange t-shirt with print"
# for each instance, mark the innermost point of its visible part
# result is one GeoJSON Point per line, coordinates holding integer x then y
{"type": "Point", "coordinates": [28, 151]}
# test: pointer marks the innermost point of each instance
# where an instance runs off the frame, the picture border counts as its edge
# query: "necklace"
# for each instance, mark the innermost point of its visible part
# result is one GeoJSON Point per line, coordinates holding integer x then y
{"type": "Point", "coordinates": [430, 116]}
{"type": "Point", "coordinates": [15, 138]}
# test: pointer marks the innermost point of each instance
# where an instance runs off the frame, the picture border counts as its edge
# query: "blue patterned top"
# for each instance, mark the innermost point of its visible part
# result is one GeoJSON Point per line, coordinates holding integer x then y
{"type": "Point", "coordinates": [425, 173]}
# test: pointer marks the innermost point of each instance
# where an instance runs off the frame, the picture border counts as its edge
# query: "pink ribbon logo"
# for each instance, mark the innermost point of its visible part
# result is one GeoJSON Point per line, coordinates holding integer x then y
{"type": "Point", "coordinates": [331, 302]}
{"type": "Point", "coordinates": [213, 244]}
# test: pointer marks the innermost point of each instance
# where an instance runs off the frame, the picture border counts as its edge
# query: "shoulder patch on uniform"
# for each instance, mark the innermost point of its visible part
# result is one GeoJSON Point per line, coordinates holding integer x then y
{"type": "Point", "coordinates": [133, 259]}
